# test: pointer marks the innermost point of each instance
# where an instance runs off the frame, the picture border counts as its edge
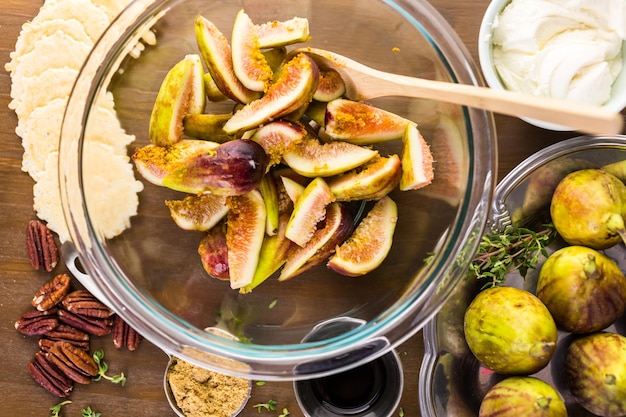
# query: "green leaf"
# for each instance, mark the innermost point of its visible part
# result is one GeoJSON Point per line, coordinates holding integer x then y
{"type": "Point", "coordinates": [88, 412]}
{"type": "Point", "coordinates": [103, 367]}
{"type": "Point", "coordinates": [55, 410]}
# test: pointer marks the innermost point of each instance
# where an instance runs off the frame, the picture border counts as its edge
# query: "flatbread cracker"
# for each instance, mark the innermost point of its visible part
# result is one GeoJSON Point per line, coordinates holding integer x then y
{"type": "Point", "coordinates": [93, 18]}
{"type": "Point", "coordinates": [105, 127]}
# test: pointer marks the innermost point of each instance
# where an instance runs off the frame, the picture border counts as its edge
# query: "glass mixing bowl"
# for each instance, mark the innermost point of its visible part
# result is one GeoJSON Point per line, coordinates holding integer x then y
{"type": "Point", "coordinates": [151, 273]}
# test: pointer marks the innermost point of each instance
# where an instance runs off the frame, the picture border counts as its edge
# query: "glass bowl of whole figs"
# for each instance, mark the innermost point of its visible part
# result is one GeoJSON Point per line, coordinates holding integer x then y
{"type": "Point", "coordinates": [538, 324]}
{"type": "Point", "coordinates": [217, 173]}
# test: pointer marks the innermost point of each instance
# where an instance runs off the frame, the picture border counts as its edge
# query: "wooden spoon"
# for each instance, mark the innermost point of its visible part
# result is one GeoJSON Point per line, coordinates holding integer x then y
{"type": "Point", "coordinates": [363, 82]}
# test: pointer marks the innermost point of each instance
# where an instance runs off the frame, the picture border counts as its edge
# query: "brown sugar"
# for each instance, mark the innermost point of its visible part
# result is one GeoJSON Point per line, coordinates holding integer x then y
{"type": "Point", "coordinates": [202, 393]}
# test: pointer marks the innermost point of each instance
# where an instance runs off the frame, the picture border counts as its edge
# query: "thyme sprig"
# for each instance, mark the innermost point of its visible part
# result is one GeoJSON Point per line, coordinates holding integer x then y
{"type": "Point", "coordinates": [103, 367]}
{"type": "Point", "coordinates": [514, 248]}
{"type": "Point", "coordinates": [55, 410]}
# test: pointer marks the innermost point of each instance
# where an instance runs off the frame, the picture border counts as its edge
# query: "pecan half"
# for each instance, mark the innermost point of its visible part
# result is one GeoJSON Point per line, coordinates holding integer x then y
{"type": "Point", "coordinates": [83, 303]}
{"type": "Point", "coordinates": [42, 249]}
{"type": "Point", "coordinates": [52, 292]}
{"type": "Point", "coordinates": [73, 362]}
{"type": "Point", "coordinates": [65, 333]}
{"type": "Point", "coordinates": [92, 325]}
{"type": "Point", "coordinates": [49, 376]}
{"type": "Point", "coordinates": [37, 322]}
{"type": "Point", "coordinates": [124, 335]}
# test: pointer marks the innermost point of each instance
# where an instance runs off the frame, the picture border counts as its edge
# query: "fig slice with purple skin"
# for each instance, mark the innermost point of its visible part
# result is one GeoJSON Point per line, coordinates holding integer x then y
{"type": "Point", "coordinates": [217, 56]}
{"type": "Point", "coordinates": [308, 211]}
{"type": "Point", "coordinates": [279, 137]}
{"type": "Point", "coordinates": [281, 33]}
{"type": "Point", "coordinates": [331, 86]}
{"type": "Point", "coordinates": [362, 123]}
{"type": "Point", "coordinates": [273, 255]}
{"type": "Point", "coordinates": [311, 158]}
{"type": "Point", "coordinates": [244, 236]}
{"type": "Point", "coordinates": [181, 92]}
{"type": "Point", "coordinates": [233, 168]}
{"type": "Point", "coordinates": [249, 63]}
{"type": "Point", "coordinates": [371, 181]}
{"type": "Point", "coordinates": [213, 252]}
{"type": "Point", "coordinates": [338, 225]}
{"type": "Point", "coordinates": [295, 84]}
{"type": "Point", "coordinates": [154, 162]}
{"type": "Point", "coordinates": [370, 243]}
{"type": "Point", "coordinates": [198, 212]}
{"type": "Point", "coordinates": [207, 126]}
{"type": "Point", "coordinates": [417, 160]}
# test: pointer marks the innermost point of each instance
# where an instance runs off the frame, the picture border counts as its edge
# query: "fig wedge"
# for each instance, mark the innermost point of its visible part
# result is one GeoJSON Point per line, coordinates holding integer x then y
{"type": "Point", "coordinates": [198, 212]}
{"type": "Point", "coordinates": [233, 168]}
{"type": "Point", "coordinates": [417, 161]}
{"type": "Point", "coordinates": [311, 158]}
{"type": "Point", "coordinates": [362, 123]}
{"type": "Point", "coordinates": [274, 251]}
{"type": "Point", "coordinates": [294, 87]}
{"type": "Point", "coordinates": [338, 225]}
{"type": "Point", "coordinates": [270, 196]}
{"type": "Point", "coordinates": [213, 252]}
{"type": "Point", "coordinates": [181, 93]}
{"type": "Point", "coordinates": [293, 188]}
{"type": "Point", "coordinates": [371, 181]}
{"type": "Point", "coordinates": [212, 91]}
{"type": "Point", "coordinates": [249, 64]}
{"type": "Point", "coordinates": [207, 126]}
{"type": "Point", "coordinates": [154, 162]}
{"type": "Point", "coordinates": [308, 211]}
{"type": "Point", "coordinates": [282, 33]}
{"type": "Point", "coordinates": [331, 86]}
{"type": "Point", "coordinates": [244, 236]}
{"type": "Point", "coordinates": [279, 137]}
{"type": "Point", "coordinates": [370, 243]}
{"type": "Point", "coordinates": [217, 56]}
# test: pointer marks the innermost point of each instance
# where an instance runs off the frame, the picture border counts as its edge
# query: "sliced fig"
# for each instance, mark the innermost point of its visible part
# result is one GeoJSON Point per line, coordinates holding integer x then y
{"type": "Point", "coordinates": [312, 158]}
{"type": "Point", "coordinates": [275, 57]}
{"type": "Point", "coordinates": [217, 56]}
{"type": "Point", "coordinates": [212, 91]}
{"type": "Point", "coordinates": [279, 137]}
{"type": "Point", "coordinates": [330, 87]}
{"type": "Point", "coordinates": [362, 123]}
{"type": "Point", "coordinates": [233, 168]}
{"type": "Point", "coordinates": [270, 196]}
{"type": "Point", "coordinates": [181, 93]}
{"type": "Point", "coordinates": [213, 252]}
{"type": "Point", "coordinates": [154, 162]}
{"type": "Point", "coordinates": [316, 111]}
{"type": "Point", "coordinates": [294, 87]}
{"type": "Point", "coordinates": [308, 211]}
{"type": "Point", "coordinates": [273, 255]}
{"type": "Point", "coordinates": [281, 33]}
{"type": "Point", "coordinates": [417, 161]}
{"type": "Point", "coordinates": [370, 243]}
{"type": "Point", "coordinates": [249, 64]}
{"type": "Point", "coordinates": [371, 181]}
{"type": "Point", "coordinates": [207, 126]}
{"type": "Point", "coordinates": [338, 225]}
{"type": "Point", "coordinates": [244, 236]}
{"type": "Point", "coordinates": [198, 212]}
{"type": "Point", "coordinates": [293, 189]}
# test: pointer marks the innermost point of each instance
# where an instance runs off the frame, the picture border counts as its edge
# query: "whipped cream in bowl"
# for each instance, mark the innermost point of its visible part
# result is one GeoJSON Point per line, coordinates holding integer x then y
{"type": "Point", "coordinates": [566, 49]}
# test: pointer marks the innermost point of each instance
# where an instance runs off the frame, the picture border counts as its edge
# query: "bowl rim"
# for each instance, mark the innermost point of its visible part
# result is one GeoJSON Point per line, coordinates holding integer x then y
{"type": "Point", "coordinates": [617, 103]}
{"type": "Point", "coordinates": [280, 362]}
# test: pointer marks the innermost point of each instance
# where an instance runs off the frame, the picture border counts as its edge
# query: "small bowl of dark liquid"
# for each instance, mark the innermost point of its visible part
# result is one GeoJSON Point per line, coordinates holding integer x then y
{"type": "Point", "coordinates": [373, 389]}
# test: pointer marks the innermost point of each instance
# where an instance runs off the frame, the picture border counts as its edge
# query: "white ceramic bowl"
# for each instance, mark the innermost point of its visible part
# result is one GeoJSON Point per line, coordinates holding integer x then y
{"type": "Point", "coordinates": [618, 94]}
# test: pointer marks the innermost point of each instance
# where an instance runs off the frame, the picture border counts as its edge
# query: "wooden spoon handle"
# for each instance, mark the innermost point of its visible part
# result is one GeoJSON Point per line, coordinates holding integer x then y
{"type": "Point", "coordinates": [577, 116]}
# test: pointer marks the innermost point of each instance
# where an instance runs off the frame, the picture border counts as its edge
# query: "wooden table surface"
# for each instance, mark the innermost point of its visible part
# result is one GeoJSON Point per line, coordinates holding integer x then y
{"type": "Point", "coordinates": [143, 394]}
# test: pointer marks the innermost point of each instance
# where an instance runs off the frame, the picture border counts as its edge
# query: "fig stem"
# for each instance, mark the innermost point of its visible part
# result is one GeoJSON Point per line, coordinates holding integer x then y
{"type": "Point", "coordinates": [591, 268]}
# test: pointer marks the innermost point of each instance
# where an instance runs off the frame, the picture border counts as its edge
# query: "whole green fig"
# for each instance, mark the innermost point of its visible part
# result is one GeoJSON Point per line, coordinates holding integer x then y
{"type": "Point", "coordinates": [596, 370]}
{"type": "Point", "coordinates": [510, 331]}
{"type": "Point", "coordinates": [588, 207]}
{"type": "Point", "coordinates": [584, 289]}
{"type": "Point", "coordinates": [522, 396]}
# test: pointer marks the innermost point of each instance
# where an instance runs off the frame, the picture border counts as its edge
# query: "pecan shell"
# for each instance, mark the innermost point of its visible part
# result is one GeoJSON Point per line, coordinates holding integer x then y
{"type": "Point", "coordinates": [83, 303]}
{"type": "Point", "coordinates": [42, 249]}
{"type": "Point", "coordinates": [52, 292]}
{"type": "Point", "coordinates": [49, 376]}
{"type": "Point", "coordinates": [73, 362]}
{"type": "Point", "coordinates": [123, 335]}
{"type": "Point", "coordinates": [92, 325]}
{"type": "Point", "coordinates": [37, 322]}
